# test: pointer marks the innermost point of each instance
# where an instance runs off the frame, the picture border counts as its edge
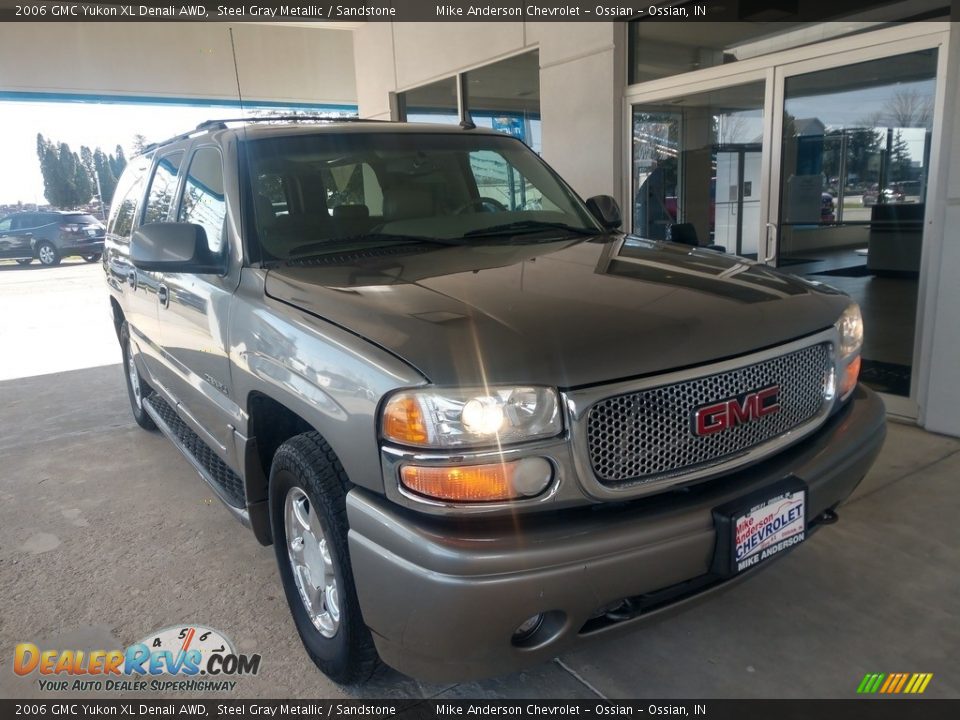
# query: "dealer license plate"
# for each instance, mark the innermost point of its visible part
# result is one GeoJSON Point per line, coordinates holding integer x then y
{"type": "Point", "coordinates": [760, 528]}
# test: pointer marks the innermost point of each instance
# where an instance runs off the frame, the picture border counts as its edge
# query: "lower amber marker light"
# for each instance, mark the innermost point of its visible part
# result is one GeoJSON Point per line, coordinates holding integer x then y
{"type": "Point", "coordinates": [851, 374]}
{"type": "Point", "coordinates": [479, 483]}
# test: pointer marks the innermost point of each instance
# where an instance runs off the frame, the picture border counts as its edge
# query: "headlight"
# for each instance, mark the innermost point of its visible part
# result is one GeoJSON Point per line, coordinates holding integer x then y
{"type": "Point", "coordinates": [850, 326]}
{"type": "Point", "coordinates": [471, 417]}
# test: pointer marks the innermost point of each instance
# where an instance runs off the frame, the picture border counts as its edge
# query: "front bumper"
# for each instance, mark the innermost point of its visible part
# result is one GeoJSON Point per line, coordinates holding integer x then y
{"type": "Point", "coordinates": [443, 596]}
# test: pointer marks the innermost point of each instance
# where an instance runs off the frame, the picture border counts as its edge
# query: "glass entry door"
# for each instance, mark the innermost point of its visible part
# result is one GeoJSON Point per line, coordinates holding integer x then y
{"type": "Point", "coordinates": [854, 155]}
{"type": "Point", "coordinates": [697, 168]}
{"type": "Point", "coordinates": [819, 166]}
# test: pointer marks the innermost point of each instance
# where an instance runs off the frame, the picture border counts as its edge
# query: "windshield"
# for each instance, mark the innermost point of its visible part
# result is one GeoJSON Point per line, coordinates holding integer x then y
{"type": "Point", "coordinates": [326, 192]}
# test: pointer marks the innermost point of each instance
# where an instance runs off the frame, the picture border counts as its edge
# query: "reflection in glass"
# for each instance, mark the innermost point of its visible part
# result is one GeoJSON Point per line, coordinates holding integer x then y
{"type": "Point", "coordinates": [433, 103]}
{"type": "Point", "coordinates": [856, 155]}
{"type": "Point", "coordinates": [203, 200]}
{"type": "Point", "coordinates": [505, 96]}
{"type": "Point", "coordinates": [696, 168]}
{"type": "Point", "coordinates": [162, 186]}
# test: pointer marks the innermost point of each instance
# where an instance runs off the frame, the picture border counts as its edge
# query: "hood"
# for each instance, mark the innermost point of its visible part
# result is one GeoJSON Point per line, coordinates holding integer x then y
{"type": "Point", "coordinates": [563, 313]}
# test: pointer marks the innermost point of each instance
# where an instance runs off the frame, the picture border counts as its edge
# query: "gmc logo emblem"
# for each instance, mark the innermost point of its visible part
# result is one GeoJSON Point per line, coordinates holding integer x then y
{"type": "Point", "coordinates": [726, 414]}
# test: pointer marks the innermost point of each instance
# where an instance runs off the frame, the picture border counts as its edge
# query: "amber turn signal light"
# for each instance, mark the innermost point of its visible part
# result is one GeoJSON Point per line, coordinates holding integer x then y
{"type": "Point", "coordinates": [403, 421]}
{"type": "Point", "coordinates": [479, 483]}
{"type": "Point", "coordinates": [850, 375]}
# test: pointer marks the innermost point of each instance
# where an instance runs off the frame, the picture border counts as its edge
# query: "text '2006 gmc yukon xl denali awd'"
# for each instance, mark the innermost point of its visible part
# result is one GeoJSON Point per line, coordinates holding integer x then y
{"type": "Point", "coordinates": [478, 423]}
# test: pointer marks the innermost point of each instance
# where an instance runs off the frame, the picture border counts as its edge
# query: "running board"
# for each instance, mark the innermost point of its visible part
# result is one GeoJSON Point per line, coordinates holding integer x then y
{"type": "Point", "coordinates": [222, 480]}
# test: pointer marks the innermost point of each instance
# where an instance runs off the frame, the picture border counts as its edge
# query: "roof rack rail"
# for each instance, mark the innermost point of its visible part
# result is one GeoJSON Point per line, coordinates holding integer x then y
{"type": "Point", "coordinates": [274, 118]}
{"type": "Point", "coordinates": [221, 124]}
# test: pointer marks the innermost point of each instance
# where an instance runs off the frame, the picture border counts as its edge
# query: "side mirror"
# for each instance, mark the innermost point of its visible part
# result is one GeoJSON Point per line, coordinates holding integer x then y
{"type": "Point", "coordinates": [174, 248]}
{"type": "Point", "coordinates": [605, 209]}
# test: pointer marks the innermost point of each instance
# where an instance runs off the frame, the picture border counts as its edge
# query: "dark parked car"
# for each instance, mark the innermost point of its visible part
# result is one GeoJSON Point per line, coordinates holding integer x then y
{"type": "Point", "coordinates": [50, 236]}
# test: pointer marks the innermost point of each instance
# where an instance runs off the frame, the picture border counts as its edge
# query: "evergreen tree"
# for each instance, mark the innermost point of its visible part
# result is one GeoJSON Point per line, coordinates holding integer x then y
{"type": "Point", "coordinates": [118, 163]}
{"type": "Point", "coordinates": [66, 181]}
{"type": "Point", "coordinates": [103, 164]}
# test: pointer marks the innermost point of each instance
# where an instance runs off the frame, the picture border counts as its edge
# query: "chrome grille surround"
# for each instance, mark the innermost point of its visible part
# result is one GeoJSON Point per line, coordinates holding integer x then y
{"type": "Point", "coordinates": [636, 437]}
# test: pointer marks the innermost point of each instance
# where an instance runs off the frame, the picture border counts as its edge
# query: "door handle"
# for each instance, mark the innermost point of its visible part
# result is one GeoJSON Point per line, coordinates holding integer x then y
{"type": "Point", "coordinates": [768, 254]}
{"type": "Point", "coordinates": [163, 295]}
{"type": "Point", "coordinates": [132, 278]}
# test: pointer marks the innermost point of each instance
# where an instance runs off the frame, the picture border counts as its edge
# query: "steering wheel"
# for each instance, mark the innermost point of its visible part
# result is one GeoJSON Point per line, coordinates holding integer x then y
{"type": "Point", "coordinates": [484, 204]}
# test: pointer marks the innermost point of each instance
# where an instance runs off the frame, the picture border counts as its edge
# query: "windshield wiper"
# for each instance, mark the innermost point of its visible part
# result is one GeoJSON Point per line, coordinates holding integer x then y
{"type": "Point", "coordinates": [325, 246]}
{"type": "Point", "coordinates": [523, 227]}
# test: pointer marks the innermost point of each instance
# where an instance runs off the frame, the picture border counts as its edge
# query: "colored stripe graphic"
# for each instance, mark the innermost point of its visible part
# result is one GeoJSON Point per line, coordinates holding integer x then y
{"type": "Point", "coordinates": [894, 683]}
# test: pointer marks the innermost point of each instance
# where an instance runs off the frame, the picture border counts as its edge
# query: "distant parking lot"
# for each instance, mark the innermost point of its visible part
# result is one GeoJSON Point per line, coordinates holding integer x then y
{"type": "Point", "coordinates": [54, 319]}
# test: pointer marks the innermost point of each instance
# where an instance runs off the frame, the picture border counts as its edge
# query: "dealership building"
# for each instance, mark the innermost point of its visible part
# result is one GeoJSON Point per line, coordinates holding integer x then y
{"type": "Point", "coordinates": [829, 149]}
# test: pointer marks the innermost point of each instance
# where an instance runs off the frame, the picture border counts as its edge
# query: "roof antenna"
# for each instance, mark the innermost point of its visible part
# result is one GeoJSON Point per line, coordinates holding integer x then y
{"type": "Point", "coordinates": [236, 71]}
{"type": "Point", "coordinates": [467, 123]}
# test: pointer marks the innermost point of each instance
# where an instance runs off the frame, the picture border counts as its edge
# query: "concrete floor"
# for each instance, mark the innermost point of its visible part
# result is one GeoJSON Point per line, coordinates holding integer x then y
{"type": "Point", "coordinates": [106, 533]}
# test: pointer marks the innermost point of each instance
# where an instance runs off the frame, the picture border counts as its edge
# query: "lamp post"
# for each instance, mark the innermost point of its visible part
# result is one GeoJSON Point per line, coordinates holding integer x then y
{"type": "Point", "coordinates": [96, 177]}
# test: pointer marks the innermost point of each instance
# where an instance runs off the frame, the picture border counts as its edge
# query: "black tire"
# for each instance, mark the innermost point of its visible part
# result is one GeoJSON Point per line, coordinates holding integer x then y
{"type": "Point", "coordinates": [48, 254]}
{"type": "Point", "coordinates": [138, 395]}
{"type": "Point", "coordinates": [25, 261]}
{"type": "Point", "coordinates": [307, 462]}
{"type": "Point", "coordinates": [92, 258]}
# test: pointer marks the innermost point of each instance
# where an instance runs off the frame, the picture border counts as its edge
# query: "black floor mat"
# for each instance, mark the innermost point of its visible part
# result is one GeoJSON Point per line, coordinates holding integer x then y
{"type": "Point", "coordinates": [853, 271]}
{"type": "Point", "coordinates": [886, 377]}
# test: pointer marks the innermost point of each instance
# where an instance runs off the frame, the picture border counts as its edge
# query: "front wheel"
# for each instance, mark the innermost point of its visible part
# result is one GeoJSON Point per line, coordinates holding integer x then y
{"type": "Point", "coordinates": [92, 257]}
{"type": "Point", "coordinates": [137, 388]}
{"type": "Point", "coordinates": [309, 521]}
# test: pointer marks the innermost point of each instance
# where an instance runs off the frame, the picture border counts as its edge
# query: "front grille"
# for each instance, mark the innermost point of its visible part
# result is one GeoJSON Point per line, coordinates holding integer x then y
{"type": "Point", "coordinates": [648, 435]}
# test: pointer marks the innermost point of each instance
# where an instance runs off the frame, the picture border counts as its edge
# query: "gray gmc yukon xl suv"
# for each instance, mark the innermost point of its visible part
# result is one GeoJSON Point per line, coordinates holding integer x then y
{"type": "Point", "coordinates": [479, 424]}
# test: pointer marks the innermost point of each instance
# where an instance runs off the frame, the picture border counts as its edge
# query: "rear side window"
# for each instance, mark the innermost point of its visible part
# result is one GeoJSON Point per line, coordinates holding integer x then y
{"type": "Point", "coordinates": [203, 201]}
{"type": "Point", "coordinates": [5, 224]}
{"type": "Point", "coordinates": [163, 185]}
{"type": "Point", "coordinates": [27, 220]}
{"type": "Point", "coordinates": [126, 197]}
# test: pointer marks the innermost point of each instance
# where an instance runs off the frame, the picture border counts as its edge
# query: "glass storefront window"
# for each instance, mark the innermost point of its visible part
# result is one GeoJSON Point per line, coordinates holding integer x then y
{"type": "Point", "coordinates": [504, 96]}
{"type": "Point", "coordinates": [434, 103]}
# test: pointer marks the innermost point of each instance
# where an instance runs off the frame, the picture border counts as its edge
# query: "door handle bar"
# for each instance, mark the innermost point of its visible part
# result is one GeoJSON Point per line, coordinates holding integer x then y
{"type": "Point", "coordinates": [769, 255]}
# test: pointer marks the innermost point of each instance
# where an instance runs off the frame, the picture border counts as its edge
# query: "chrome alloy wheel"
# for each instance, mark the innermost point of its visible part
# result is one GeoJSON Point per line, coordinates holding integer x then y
{"type": "Point", "coordinates": [46, 254]}
{"type": "Point", "coordinates": [311, 562]}
{"type": "Point", "coordinates": [133, 376]}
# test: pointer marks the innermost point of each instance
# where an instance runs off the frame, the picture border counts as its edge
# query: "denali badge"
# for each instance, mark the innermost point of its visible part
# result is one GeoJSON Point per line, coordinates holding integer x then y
{"type": "Point", "coordinates": [725, 414]}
